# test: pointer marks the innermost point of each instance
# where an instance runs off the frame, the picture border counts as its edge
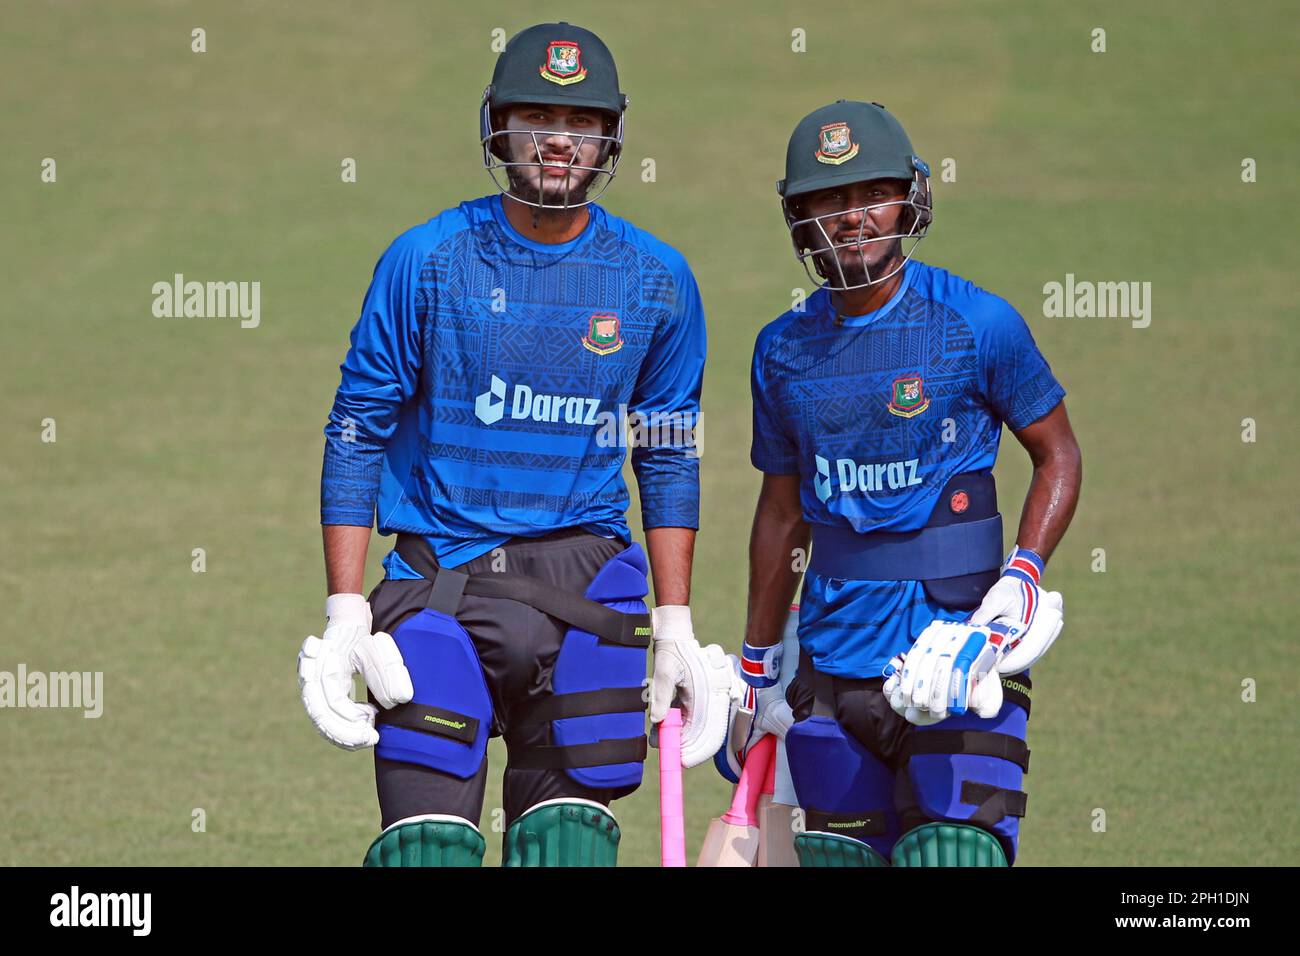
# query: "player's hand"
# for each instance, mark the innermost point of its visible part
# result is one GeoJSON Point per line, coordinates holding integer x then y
{"type": "Point", "coordinates": [740, 725]}
{"type": "Point", "coordinates": [772, 715]}
{"type": "Point", "coordinates": [760, 668]}
{"type": "Point", "coordinates": [950, 669]}
{"type": "Point", "coordinates": [700, 678]}
{"type": "Point", "coordinates": [1033, 618]}
{"type": "Point", "coordinates": [326, 667]}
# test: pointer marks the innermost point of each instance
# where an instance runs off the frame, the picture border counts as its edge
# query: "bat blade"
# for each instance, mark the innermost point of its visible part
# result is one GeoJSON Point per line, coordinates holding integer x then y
{"type": "Point", "coordinates": [775, 830]}
{"type": "Point", "coordinates": [729, 844]}
{"type": "Point", "coordinates": [776, 835]}
{"type": "Point", "coordinates": [733, 838]}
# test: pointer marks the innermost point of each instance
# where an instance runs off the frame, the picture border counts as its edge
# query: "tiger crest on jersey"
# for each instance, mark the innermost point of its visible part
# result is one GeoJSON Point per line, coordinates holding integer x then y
{"type": "Point", "coordinates": [563, 63]}
{"type": "Point", "coordinates": [603, 335]}
{"type": "Point", "coordinates": [908, 397]}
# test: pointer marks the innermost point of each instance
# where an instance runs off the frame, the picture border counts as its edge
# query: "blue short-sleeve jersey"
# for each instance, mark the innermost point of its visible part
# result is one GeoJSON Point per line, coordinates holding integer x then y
{"type": "Point", "coordinates": [875, 413]}
{"type": "Point", "coordinates": [491, 383]}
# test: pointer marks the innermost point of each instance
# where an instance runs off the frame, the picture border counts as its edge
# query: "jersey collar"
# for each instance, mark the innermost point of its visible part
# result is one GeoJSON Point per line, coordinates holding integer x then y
{"type": "Point", "coordinates": [557, 249]}
{"type": "Point", "coordinates": [855, 321]}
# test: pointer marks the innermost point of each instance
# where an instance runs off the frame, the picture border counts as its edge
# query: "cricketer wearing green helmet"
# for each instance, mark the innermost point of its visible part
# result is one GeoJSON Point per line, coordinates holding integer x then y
{"type": "Point", "coordinates": [879, 404]}
{"type": "Point", "coordinates": [502, 349]}
{"type": "Point", "coordinates": [833, 153]}
{"type": "Point", "coordinates": [551, 122]}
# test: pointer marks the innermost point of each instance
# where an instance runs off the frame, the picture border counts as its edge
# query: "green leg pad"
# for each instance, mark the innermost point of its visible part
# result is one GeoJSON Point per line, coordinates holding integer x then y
{"type": "Point", "coordinates": [567, 832]}
{"type": "Point", "coordinates": [831, 849]}
{"type": "Point", "coordinates": [948, 844]}
{"type": "Point", "coordinates": [434, 840]}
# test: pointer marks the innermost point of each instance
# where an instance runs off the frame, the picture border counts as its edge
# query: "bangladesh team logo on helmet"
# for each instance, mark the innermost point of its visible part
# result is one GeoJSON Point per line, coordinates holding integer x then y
{"type": "Point", "coordinates": [836, 145]}
{"type": "Point", "coordinates": [603, 335]}
{"type": "Point", "coordinates": [908, 397]}
{"type": "Point", "coordinates": [563, 63]}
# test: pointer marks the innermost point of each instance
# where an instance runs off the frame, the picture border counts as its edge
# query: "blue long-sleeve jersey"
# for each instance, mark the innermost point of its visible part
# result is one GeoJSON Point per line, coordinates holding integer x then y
{"type": "Point", "coordinates": [491, 383]}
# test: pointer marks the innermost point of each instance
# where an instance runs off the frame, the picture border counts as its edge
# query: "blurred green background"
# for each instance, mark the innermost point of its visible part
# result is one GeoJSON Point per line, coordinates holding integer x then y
{"type": "Point", "coordinates": [175, 434]}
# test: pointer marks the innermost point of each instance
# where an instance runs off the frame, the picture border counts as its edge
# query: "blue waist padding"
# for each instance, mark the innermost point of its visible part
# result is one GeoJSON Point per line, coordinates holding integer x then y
{"type": "Point", "coordinates": [963, 536]}
{"type": "Point", "coordinates": [940, 552]}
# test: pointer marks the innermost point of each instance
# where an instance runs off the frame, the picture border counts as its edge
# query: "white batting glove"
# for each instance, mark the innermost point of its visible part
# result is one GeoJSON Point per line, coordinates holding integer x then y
{"type": "Point", "coordinates": [950, 669]}
{"type": "Point", "coordinates": [1033, 618]}
{"type": "Point", "coordinates": [700, 678]}
{"type": "Point", "coordinates": [772, 715]}
{"type": "Point", "coordinates": [761, 667]}
{"type": "Point", "coordinates": [895, 672]}
{"type": "Point", "coordinates": [326, 667]}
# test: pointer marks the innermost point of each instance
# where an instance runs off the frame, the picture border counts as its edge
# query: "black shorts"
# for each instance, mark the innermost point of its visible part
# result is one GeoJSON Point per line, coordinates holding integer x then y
{"type": "Point", "coordinates": [517, 647]}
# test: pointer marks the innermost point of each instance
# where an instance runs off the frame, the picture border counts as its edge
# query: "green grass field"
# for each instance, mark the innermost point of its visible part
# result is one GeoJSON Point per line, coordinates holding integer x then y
{"type": "Point", "coordinates": [176, 434]}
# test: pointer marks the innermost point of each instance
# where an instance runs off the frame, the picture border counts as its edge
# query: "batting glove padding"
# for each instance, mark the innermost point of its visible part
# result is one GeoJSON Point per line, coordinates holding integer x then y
{"type": "Point", "coordinates": [772, 715]}
{"type": "Point", "coordinates": [760, 666]}
{"type": "Point", "coordinates": [701, 679]}
{"type": "Point", "coordinates": [1032, 617]}
{"type": "Point", "coordinates": [327, 665]}
{"type": "Point", "coordinates": [950, 669]}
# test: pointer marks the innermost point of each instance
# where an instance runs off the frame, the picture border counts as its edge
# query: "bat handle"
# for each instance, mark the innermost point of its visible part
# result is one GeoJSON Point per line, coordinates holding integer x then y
{"type": "Point", "coordinates": [752, 777]}
{"type": "Point", "coordinates": [672, 818]}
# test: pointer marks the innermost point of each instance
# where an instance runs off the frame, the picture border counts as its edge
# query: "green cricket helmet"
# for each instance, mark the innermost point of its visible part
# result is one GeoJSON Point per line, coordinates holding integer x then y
{"type": "Point", "coordinates": [553, 64]}
{"type": "Point", "coordinates": [850, 142]}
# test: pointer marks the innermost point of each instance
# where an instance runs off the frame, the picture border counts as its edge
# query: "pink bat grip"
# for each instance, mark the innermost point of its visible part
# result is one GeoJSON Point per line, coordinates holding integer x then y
{"type": "Point", "coordinates": [672, 822]}
{"type": "Point", "coordinates": [753, 775]}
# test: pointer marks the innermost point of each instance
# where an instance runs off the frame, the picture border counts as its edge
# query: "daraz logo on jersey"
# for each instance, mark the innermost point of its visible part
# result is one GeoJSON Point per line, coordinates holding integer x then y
{"type": "Point", "coordinates": [525, 404]}
{"type": "Point", "coordinates": [849, 476]}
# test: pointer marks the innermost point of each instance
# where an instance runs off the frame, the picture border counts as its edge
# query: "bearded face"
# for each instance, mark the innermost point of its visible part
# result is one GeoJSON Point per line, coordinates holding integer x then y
{"type": "Point", "coordinates": [853, 234]}
{"type": "Point", "coordinates": [553, 154]}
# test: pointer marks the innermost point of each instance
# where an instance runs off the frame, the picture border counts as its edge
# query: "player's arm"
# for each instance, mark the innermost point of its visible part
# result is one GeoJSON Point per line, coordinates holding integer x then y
{"type": "Point", "coordinates": [778, 534]}
{"type": "Point", "coordinates": [345, 557]}
{"type": "Point", "coordinates": [666, 462]}
{"type": "Point", "coordinates": [1020, 390]}
{"type": "Point", "coordinates": [1054, 487]}
{"type": "Point", "coordinates": [666, 455]}
{"type": "Point", "coordinates": [379, 374]}
{"type": "Point", "coordinates": [672, 551]}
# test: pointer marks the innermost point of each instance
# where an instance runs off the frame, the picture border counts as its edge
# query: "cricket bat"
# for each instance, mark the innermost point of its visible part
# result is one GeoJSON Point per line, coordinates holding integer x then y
{"type": "Point", "coordinates": [733, 838]}
{"type": "Point", "coordinates": [775, 823]}
{"type": "Point", "coordinates": [672, 821]}
{"type": "Point", "coordinates": [777, 806]}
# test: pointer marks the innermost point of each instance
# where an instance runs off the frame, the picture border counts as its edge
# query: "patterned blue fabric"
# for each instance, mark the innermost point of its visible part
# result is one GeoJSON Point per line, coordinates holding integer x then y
{"type": "Point", "coordinates": [490, 378]}
{"type": "Point", "coordinates": [875, 415]}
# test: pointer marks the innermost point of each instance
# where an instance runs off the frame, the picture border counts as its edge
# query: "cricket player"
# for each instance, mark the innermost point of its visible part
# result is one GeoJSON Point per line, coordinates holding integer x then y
{"type": "Point", "coordinates": [504, 348]}
{"type": "Point", "coordinates": [878, 408]}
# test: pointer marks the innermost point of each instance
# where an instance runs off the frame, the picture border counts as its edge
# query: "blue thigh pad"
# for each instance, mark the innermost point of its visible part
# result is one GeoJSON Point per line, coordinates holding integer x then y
{"type": "Point", "coordinates": [842, 787]}
{"type": "Point", "coordinates": [585, 663]}
{"type": "Point", "coordinates": [446, 724]}
{"type": "Point", "coordinates": [970, 770]}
